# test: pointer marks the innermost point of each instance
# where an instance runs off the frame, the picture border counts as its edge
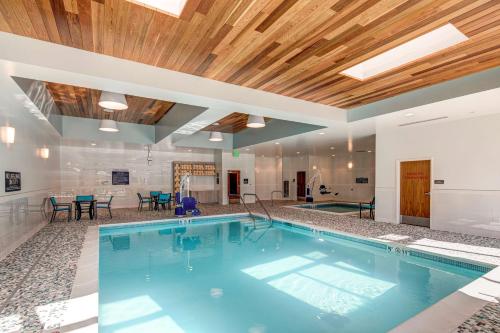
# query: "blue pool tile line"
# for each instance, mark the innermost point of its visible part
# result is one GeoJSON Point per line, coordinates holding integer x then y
{"type": "Point", "coordinates": [449, 261]}
{"type": "Point", "coordinates": [391, 248]}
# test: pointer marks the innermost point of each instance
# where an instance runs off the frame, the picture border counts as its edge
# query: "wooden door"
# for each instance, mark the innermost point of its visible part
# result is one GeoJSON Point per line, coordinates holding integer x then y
{"type": "Point", "coordinates": [301, 185]}
{"type": "Point", "coordinates": [415, 187]}
{"type": "Point", "coordinates": [233, 186]}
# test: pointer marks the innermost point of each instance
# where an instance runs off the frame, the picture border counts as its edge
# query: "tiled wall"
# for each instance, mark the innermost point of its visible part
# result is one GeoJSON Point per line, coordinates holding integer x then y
{"type": "Point", "coordinates": [87, 170]}
{"type": "Point", "coordinates": [20, 214]}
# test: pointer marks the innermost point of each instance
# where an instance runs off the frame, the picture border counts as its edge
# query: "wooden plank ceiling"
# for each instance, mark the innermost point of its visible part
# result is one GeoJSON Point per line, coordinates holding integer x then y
{"type": "Point", "coordinates": [291, 47]}
{"type": "Point", "coordinates": [83, 102]}
{"type": "Point", "coordinates": [233, 123]}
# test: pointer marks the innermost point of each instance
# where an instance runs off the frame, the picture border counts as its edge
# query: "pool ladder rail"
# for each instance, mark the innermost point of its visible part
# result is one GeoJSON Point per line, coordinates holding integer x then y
{"type": "Point", "coordinates": [257, 200]}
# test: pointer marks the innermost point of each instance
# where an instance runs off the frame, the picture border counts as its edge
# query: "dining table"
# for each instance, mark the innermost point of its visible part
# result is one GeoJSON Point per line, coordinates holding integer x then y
{"type": "Point", "coordinates": [91, 208]}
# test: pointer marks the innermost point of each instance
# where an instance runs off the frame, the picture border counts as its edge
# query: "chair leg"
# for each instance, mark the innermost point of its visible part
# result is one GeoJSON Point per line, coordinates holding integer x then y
{"type": "Point", "coordinates": [69, 215]}
{"type": "Point", "coordinates": [110, 215]}
{"type": "Point", "coordinates": [53, 216]}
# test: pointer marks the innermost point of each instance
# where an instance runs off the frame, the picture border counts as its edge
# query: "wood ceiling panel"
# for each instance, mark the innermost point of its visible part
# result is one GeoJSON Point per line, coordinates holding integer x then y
{"type": "Point", "coordinates": [83, 102]}
{"type": "Point", "coordinates": [233, 123]}
{"type": "Point", "coordinates": [294, 48]}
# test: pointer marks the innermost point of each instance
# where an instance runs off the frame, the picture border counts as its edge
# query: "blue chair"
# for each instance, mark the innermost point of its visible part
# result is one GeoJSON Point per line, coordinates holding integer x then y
{"type": "Point", "coordinates": [165, 199]}
{"type": "Point", "coordinates": [60, 207]}
{"type": "Point", "coordinates": [142, 201]}
{"type": "Point", "coordinates": [104, 205]}
{"type": "Point", "coordinates": [84, 202]}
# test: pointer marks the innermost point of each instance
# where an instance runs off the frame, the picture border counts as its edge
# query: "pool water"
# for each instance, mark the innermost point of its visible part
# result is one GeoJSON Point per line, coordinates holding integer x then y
{"type": "Point", "coordinates": [333, 207]}
{"type": "Point", "coordinates": [218, 275]}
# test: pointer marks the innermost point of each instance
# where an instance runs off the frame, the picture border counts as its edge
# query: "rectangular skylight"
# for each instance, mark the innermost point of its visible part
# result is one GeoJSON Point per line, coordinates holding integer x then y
{"type": "Point", "coordinates": [172, 7]}
{"type": "Point", "coordinates": [431, 42]}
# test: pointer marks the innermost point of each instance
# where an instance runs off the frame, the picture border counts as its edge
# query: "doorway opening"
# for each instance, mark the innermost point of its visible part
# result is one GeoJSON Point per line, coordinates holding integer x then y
{"type": "Point", "coordinates": [233, 186]}
{"type": "Point", "coordinates": [301, 185]}
{"type": "Point", "coordinates": [414, 192]}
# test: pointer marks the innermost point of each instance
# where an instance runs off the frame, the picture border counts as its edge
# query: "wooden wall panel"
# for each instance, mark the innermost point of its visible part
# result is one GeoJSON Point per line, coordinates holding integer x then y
{"type": "Point", "coordinates": [289, 47]}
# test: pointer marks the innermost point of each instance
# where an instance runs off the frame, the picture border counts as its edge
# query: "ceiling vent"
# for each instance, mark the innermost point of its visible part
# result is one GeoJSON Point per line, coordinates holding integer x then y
{"type": "Point", "coordinates": [422, 121]}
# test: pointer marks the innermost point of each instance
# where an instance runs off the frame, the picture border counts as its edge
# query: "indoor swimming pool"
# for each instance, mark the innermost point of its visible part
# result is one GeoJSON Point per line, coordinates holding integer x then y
{"type": "Point", "coordinates": [227, 274]}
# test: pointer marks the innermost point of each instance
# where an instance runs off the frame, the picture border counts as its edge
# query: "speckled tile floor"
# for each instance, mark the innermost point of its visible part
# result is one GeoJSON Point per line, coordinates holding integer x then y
{"type": "Point", "coordinates": [36, 279]}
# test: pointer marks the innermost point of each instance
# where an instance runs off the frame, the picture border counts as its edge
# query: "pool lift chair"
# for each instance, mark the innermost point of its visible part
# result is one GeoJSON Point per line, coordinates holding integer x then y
{"type": "Point", "coordinates": [185, 204]}
{"type": "Point", "coordinates": [310, 187]}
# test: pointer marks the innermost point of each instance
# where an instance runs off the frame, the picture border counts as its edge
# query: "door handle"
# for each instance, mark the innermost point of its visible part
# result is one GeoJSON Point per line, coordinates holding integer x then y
{"type": "Point", "coordinates": [427, 193]}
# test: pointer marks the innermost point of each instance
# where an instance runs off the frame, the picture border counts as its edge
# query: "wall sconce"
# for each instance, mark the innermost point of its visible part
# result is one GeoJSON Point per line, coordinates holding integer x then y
{"type": "Point", "coordinates": [7, 134]}
{"type": "Point", "coordinates": [44, 153]}
{"type": "Point", "coordinates": [349, 165]}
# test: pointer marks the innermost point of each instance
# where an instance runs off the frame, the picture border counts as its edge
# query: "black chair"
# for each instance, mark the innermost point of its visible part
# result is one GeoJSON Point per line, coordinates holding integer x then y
{"type": "Point", "coordinates": [60, 207]}
{"type": "Point", "coordinates": [372, 209]}
{"type": "Point", "coordinates": [104, 205]}
{"type": "Point", "coordinates": [142, 201]}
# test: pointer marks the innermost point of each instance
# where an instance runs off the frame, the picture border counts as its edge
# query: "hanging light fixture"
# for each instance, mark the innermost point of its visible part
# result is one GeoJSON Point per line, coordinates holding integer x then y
{"type": "Point", "coordinates": [108, 125]}
{"type": "Point", "coordinates": [255, 121]}
{"type": "Point", "coordinates": [216, 137]}
{"type": "Point", "coordinates": [113, 101]}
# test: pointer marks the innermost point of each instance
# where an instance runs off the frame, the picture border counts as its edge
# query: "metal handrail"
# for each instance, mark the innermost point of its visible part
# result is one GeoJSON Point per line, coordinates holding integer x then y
{"type": "Point", "coordinates": [259, 202]}
{"type": "Point", "coordinates": [272, 200]}
{"type": "Point", "coordinates": [242, 199]}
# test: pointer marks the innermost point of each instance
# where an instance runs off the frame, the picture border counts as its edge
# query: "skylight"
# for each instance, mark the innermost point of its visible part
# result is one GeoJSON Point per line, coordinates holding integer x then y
{"type": "Point", "coordinates": [431, 42]}
{"type": "Point", "coordinates": [172, 7]}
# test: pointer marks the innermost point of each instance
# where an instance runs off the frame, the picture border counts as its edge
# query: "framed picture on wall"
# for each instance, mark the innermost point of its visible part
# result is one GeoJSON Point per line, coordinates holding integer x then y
{"type": "Point", "coordinates": [120, 177]}
{"type": "Point", "coordinates": [12, 181]}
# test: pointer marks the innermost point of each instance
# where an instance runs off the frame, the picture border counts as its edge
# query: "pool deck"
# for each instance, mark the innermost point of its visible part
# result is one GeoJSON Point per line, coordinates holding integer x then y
{"type": "Point", "coordinates": [49, 282]}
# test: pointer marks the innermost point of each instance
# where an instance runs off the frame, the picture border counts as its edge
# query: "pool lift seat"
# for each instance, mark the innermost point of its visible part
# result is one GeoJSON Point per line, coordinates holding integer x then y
{"type": "Point", "coordinates": [310, 187]}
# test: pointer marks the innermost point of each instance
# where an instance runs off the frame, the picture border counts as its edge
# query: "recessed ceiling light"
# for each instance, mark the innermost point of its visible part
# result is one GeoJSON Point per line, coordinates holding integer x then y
{"type": "Point", "coordinates": [171, 7]}
{"type": "Point", "coordinates": [247, 149]}
{"type": "Point", "coordinates": [215, 124]}
{"type": "Point", "coordinates": [298, 152]}
{"type": "Point", "coordinates": [429, 43]}
{"type": "Point", "coordinates": [409, 114]}
{"type": "Point", "coordinates": [93, 143]}
{"type": "Point", "coordinates": [190, 150]}
{"type": "Point", "coordinates": [321, 133]}
{"type": "Point", "coordinates": [276, 143]}
{"type": "Point", "coordinates": [332, 148]}
{"type": "Point", "coordinates": [333, 155]}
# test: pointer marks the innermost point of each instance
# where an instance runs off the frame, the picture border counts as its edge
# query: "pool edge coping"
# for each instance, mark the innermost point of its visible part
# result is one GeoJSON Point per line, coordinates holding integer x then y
{"type": "Point", "coordinates": [436, 318]}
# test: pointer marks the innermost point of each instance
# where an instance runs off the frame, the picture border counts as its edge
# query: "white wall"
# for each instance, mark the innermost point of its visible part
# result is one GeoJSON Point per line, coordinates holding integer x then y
{"type": "Point", "coordinates": [268, 177]}
{"type": "Point", "coordinates": [464, 154]}
{"type": "Point", "coordinates": [20, 215]}
{"type": "Point", "coordinates": [87, 170]}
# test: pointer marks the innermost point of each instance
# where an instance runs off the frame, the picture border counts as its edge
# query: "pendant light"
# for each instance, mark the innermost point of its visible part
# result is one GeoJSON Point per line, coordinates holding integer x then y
{"type": "Point", "coordinates": [108, 125]}
{"type": "Point", "coordinates": [255, 121]}
{"type": "Point", "coordinates": [216, 137]}
{"type": "Point", "coordinates": [113, 101]}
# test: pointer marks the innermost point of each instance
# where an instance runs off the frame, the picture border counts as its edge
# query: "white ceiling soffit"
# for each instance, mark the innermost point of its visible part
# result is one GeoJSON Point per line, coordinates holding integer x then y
{"type": "Point", "coordinates": [97, 71]}
{"type": "Point", "coordinates": [474, 83]}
